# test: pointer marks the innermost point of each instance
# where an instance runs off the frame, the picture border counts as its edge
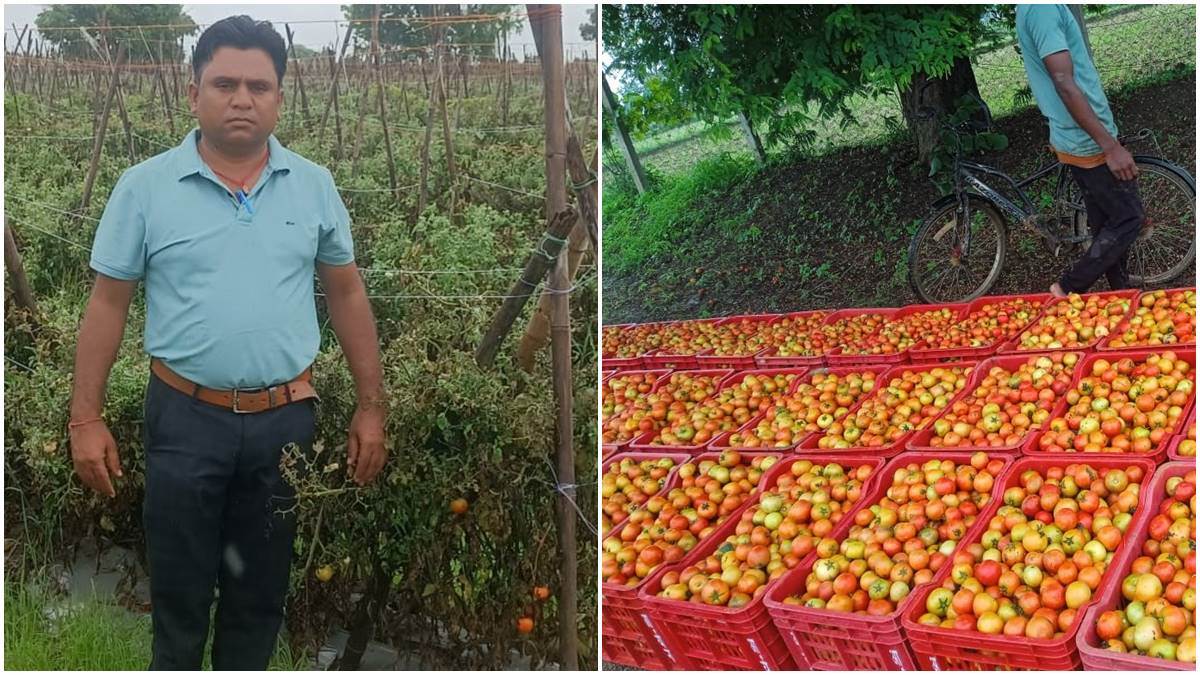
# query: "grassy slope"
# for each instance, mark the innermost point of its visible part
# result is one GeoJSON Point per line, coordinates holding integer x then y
{"type": "Point", "coordinates": [832, 230]}
{"type": "Point", "coordinates": [95, 635]}
{"type": "Point", "coordinates": [1130, 46]}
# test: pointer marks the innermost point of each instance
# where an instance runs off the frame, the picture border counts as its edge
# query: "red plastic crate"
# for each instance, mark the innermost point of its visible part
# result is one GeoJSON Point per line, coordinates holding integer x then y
{"type": "Point", "coordinates": [642, 443]}
{"type": "Point", "coordinates": [661, 358]}
{"type": "Point", "coordinates": [619, 362]}
{"type": "Point", "coordinates": [707, 359]}
{"type": "Point", "coordinates": [722, 442]}
{"type": "Point", "coordinates": [843, 641]}
{"type": "Point", "coordinates": [1010, 347]}
{"type": "Point", "coordinates": [609, 448]}
{"type": "Point", "coordinates": [705, 637]}
{"type": "Point", "coordinates": [1108, 595]}
{"type": "Point", "coordinates": [1103, 346]}
{"type": "Point", "coordinates": [629, 638]}
{"type": "Point", "coordinates": [938, 648]}
{"type": "Point", "coordinates": [919, 440]}
{"type": "Point", "coordinates": [1084, 367]}
{"type": "Point", "coordinates": [769, 357]}
{"type": "Point", "coordinates": [835, 357]}
{"type": "Point", "coordinates": [1173, 446]}
{"type": "Point", "coordinates": [810, 444]}
{"type": "Point", "coordinates": [971, 353]}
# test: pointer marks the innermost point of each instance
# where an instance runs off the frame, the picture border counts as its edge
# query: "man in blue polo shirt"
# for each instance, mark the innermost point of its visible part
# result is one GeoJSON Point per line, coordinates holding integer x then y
{"type": "Point", "coordinates": [226, 231]}
{"type": "Point", "coordinates": [1067, 88]}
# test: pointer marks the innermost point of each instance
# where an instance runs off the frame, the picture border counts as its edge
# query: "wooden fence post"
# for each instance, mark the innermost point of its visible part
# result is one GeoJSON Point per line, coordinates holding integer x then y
{"type": "Point", "coordinates": [101, 127]}
{"type": "Point", "coordinates": [22, 292]}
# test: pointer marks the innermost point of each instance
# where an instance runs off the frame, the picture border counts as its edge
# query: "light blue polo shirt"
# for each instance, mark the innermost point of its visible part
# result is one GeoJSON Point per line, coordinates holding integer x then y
{"type": "Point", "coordinates": [229, 288]}
{"type": "Point", "coordinates": [1043, 30]}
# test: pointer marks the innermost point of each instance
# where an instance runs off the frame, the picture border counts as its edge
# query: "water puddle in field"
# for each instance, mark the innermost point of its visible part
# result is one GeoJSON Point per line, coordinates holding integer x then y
{"type": "Point", "coordinates": [116, 576]}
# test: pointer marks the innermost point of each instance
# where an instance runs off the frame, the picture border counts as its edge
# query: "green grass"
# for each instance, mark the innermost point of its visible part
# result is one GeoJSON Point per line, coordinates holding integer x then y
{"type": "Point", "coordinates": [93, 635]}
{"type": "Point", "coordinates": [1132, 47]}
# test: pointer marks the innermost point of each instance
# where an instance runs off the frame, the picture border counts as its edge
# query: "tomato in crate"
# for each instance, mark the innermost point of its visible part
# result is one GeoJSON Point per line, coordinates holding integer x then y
{"type": "Point", "coordinates": [1009, 399]}
{"type": "Point", "coordinates": [709, 606]}
{"type": "Point", "coordinates": [1013, 597]}
{"type": "Point", "coordinates": [987, 323]}
{"type": "Point", "coordinates": [1076, 322]}
{"type": "Point", "coordinates": [1129, 402]}
{"type": "Point", "coordinates": [907, 399]}
{"type": "Point", "coordinates": [1147, 621]}
{"type": "Point", "coordinates": [626, 411]}
{"type": "Point", "coordinates": [842, 610]}
{"type": "Point", "coordinates": [699, 494]}
{"type": "Point", "coordinates": [1163, 318]}
{"type": "Point", "coordinates": [816, 400]}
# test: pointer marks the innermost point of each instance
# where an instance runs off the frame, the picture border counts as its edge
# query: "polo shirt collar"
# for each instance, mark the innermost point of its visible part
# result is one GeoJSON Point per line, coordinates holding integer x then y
{"type": "Point", "coordinates": [188, 161]}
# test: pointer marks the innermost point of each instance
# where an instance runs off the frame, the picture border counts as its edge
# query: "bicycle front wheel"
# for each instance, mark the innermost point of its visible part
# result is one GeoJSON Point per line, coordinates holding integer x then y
{"type": "Point", "coordinates": [1167, 243]}
{"type": "Point", "coordinates": [941, 269]}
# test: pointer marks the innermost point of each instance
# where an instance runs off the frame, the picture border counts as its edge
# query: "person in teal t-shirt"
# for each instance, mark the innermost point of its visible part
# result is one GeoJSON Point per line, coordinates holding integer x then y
{"type": "Point", "coordinates": [1067, 88]}
{"type": "Point", "coordinates": [227, 232]}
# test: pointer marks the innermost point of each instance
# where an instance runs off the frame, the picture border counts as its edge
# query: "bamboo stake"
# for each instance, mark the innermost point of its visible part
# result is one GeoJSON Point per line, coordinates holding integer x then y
{"type": "Point", "coordinates": [22, 291]}
{"type": "Point", "coordinates": [383, 117]}
{"type": "Point", "coordinates": [423, 195]}
{"type": "Point", "coordinates": [548, 25]}
{"type": "Point", "coordinates": [101, 128]}
{"type": "Point", "coordinates": [337, 71]}
{"type": "Point", "coordinates": [536, 266]}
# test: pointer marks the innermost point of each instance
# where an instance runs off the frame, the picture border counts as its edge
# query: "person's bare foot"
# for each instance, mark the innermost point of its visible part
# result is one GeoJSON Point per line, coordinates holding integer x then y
{"type": "Point", "coordinates": [1057, 290]}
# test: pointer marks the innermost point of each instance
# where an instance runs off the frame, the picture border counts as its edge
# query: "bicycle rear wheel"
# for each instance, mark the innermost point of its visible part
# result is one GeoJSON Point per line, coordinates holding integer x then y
{"type": "Point", "coordinates": [939, 271]}
{"type": "Point", "coordinates": [1166, 246]}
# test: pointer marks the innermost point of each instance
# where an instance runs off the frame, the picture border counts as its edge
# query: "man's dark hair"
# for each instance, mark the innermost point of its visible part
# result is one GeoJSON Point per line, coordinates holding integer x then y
{"type": "Point", "coordinates": [240, 32]}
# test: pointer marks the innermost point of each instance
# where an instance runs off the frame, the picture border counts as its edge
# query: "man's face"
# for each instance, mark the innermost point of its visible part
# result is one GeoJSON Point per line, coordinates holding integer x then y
{"type": "Point", "coordinates": [238, 97]}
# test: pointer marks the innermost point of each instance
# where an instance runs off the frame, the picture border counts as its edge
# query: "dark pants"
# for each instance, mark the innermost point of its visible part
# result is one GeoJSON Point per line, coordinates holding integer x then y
{"type": "Point", "coordinates": [211, 515]}
{"type": "Point", "coordinates": [1115, 215]}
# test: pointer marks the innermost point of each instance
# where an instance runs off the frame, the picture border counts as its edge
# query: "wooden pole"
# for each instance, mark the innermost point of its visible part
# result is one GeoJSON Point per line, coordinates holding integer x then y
{"type": "Point", "coordinates": [546, 20]}
{"type": "Point", "coordinates": [332, 100]}
{"type": "Point", "coordinates": [299, 77]}
{"type": "Point", "coordinates": [98, 139]}
{"type": "Point", "coordinates": [448, 142]}
{"type": "Point", "coordinates": [22, 292]}
{"type": "Point", "coordinates": [536, 265]}
{"type": "Point", "coordinates": [166, 98]}
{"type": "Point", "coordinates": [631, 158]}
{"type": "Point", "coordinates": [423, 195]}
{"type": "Point", "coordinates": [383, 117]}
{"type": "Point", "coordinates": [752, 139]}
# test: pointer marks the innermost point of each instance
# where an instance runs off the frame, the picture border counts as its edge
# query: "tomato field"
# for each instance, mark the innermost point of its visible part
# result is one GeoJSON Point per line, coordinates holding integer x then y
{"type": "Point", "coordinates": [439, 154]}
{"type": "Point", "coordinates": [1002, 484]}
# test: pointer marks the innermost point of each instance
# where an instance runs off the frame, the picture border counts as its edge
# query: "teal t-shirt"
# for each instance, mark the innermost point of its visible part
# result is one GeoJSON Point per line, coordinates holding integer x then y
{"type": "Point", "coordinates": [1046, 29]}
{"type": "Point", "coordinates": [229, 286]}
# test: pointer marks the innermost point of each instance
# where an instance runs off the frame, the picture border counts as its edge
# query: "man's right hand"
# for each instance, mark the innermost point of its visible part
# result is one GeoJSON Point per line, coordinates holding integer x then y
{"type": "Point", "coordinates": [94, 451]}
{"type": "Point", "coordinates": [1121, 163]}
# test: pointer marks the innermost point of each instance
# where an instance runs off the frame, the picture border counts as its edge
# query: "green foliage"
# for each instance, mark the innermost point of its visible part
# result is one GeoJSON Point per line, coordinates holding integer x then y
{"type": "Point", "coordinates": [587, 30]}
{"type": "Point", "coordinates": [43, 632]}
{"type": "Point", "coordinates": [640, 227]}
{"type": "Point", "coordinates": [408, 27]}
{"type": "Point", "coordinates": [61, 25]}
{"type": "Point", "coordinates": [454, 430]}
{"type": "Point", "coordinates": [785, 66]}
{"type": "Point", "coordinates": [959, 139]}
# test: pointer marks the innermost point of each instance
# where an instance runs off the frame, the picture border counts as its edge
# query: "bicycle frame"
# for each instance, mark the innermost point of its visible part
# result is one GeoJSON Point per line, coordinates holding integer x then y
{"type": "Point", "coordinates": [1019, 213]}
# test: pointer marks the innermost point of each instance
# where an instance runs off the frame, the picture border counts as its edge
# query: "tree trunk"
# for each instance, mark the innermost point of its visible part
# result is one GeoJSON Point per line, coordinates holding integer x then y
{"type": "Point", "coordinates": [942, 96]}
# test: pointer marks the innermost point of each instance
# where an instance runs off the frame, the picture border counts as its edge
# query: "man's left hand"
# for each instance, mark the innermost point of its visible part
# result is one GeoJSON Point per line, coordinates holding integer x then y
{"type": "Point", "coordinates": [365, 446]}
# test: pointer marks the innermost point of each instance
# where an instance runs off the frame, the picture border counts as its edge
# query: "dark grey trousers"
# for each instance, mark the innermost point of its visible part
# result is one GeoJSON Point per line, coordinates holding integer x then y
{"type": "Point", "coordinates": [212, 518]}
{"type": "Point", "coordinates": [1115, 215]}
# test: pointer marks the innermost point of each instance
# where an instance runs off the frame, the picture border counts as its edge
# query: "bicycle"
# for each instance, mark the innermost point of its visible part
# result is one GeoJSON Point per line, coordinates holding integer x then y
{"type": "Point", "coordinates": [958, 251]}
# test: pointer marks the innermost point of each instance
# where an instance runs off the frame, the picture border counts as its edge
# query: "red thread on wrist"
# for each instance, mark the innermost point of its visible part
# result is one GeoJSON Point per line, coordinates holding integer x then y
{"type": "Point", "coordinates": [71, 426]}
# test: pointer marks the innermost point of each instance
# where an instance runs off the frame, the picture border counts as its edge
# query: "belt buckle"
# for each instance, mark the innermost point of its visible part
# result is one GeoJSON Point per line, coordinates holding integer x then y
{"type": "Point", "coordinates": [236, 401]}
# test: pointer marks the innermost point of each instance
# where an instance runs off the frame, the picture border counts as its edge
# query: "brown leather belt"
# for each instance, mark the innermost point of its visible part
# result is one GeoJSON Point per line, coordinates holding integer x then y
{"type": "Point", "coordinates": [240, 401]}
